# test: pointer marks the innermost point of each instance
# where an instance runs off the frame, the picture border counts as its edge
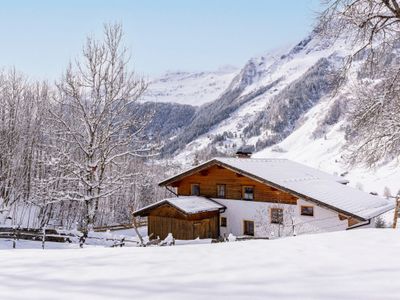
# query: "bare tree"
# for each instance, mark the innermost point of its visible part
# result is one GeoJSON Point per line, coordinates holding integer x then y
{"type": "Point", "coordinates": [284, 223]}
{"type": "Point", "coordinates": [95, 125]}
{"type": "Point", "coordinates": [373, 26]}
{"type": "Point", "coordinates": [22, 106]}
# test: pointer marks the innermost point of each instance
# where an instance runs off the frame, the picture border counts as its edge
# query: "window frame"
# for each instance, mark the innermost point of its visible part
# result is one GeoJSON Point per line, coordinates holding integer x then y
{"type": "Point", "coordinates": [243, 192]}
{"type": "Point", "coordinates": [221, 185]}
{"type": "Point", "coordinates": [244, 227]}
{"type": "Point", "coordinates": [271, 213]}
{"type": "Point", "coordinates": [191, 189]}
{"type": "Point", "coordinates": [307, 207]}
{"type": "Point", "coordinates": [223, 224]}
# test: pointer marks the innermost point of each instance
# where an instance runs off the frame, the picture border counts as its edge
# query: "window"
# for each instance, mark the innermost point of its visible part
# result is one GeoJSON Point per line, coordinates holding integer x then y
{"type": "Point", "coordinates": [223, 222]}
{"type": "Point", "coordinates": [307, 211]}
{"type": "Point", "coordinates": [221, 190]}
{"type": "Point", "coordinates": [248, 193]}
{"type": "Point", "coordinates": [248, 227]}
{"type": "Point", "coordinates": [276, 215]}
{"type": "Point", "coordinates": [195, 189]}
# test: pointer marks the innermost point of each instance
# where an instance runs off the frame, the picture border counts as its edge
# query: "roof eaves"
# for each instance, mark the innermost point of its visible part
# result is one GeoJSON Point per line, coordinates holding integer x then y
{"type": "Point", "coordinates": [144, 210]}
{"type": "Point", "coordinates": [223, 207]}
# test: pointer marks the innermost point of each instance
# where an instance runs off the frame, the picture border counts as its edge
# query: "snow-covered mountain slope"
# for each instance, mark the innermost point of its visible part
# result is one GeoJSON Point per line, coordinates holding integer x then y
{"type": "Point", "coordinates": [193, 88]}
{"type": "Point", "coordinates": [324, 148]}
{"type": "Point", "coordinates": [265, 100]}
{"type": "Point", "coordinates": [291, 104]}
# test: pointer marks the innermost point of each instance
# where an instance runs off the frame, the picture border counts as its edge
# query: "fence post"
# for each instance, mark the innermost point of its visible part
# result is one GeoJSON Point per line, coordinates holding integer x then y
{"type": "Point", "coordinates": [44, 236]}
{"type": "Point", "coordinates": [82, 240]}
{"type": "Point", "coordinates": [14, 237]}
{"type": "Point", "coordinates": [396, 211]}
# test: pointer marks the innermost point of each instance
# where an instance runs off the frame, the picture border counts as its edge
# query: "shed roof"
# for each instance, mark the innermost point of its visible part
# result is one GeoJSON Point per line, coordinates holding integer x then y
{"type": "Point", "coordinates": [304, 182]}
{"type": "Point", "coordinates": [186, 204]}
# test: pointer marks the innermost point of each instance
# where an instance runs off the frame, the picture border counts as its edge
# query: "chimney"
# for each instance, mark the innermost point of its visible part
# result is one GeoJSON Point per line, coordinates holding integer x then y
{"type": "Point", "coordinates": [243, 154]}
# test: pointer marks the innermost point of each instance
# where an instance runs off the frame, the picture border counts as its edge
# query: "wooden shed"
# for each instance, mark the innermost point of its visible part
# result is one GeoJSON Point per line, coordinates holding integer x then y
{"type": "Point", "coordinates": [187, 218]}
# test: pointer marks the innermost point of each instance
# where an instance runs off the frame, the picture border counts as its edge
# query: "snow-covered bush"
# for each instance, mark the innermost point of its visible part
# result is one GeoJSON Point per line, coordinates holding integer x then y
{"type": "Point", "coordinates": [380, 222]}
{"type": "Point", "coordinates": [168, 241]}
{"type": "Point", "coordinates": [231, 238]}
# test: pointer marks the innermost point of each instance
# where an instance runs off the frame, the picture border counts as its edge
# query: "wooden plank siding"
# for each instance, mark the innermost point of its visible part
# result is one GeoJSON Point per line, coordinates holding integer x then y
{"type": "Point", "coordinates": [214, 175]}
{"type": "Point", "coordinates": [167, 219]}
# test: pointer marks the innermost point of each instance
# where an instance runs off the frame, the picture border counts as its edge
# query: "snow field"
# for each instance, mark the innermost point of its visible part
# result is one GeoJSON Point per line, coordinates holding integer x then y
{"type": "Point", "coordinates": [357, 264]}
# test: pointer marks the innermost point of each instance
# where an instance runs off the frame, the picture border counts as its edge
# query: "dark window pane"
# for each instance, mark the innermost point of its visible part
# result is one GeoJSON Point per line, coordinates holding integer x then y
{"type": "Point", "coordinates": [248, 193]}
{"type": "Point", "coordinates": [248, 228]}
{"type": "Point", "coordinates": [195, 190]}
{"type": "Point", "coordinates": [277, 215]}
{"type": "Point", "coordinates": [223, 222]}
{"type": "Point", "coordinates": [307, 211]}
{"type": "Point", "coordinates": [221, 190]}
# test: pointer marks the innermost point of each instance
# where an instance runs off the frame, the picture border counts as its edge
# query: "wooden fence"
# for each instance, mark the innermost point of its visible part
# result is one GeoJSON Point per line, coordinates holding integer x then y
{"type": "Point", "coordinates": [140, 223]}
{"type": "Point", "coordinates": [51, 235]}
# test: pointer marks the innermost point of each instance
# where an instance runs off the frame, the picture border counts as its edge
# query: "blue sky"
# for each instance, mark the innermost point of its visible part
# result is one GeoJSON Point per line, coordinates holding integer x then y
{"type": "Point", "coordinates": [40, 37]}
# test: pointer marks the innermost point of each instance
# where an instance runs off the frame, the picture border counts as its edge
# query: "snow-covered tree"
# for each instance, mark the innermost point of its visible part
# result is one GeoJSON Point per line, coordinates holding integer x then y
{"type": "Point", "coordinates": [387, 193]}
{"type": "Point", "coordinates": [22, 111]}
{"type": "Point", "coordinates": [373, 26]}
{"type": "Point", "coordinates": [95, 127]}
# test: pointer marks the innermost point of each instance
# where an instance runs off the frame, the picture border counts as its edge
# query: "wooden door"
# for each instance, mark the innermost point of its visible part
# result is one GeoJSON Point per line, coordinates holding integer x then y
{"type": "Point", "coordinates": [201, 229]}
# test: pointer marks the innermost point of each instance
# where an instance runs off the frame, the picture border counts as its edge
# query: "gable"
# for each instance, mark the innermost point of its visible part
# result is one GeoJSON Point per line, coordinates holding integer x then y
{"type": "Point", "coordinates": [270, 170]}
{"type": "Point", "coordinates": [208, 179]}
{"type": "Point", "coordinates": [167, 210]}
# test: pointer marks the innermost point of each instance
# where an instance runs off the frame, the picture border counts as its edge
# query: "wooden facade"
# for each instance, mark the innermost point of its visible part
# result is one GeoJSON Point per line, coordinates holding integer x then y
{"type": "Point", "coordinates": [167, 219]}
{"type": "Point", "coordinates": [210, 178]}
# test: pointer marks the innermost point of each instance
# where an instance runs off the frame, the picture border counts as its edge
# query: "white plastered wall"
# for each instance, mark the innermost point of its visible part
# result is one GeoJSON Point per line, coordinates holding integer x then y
{"type": "Point", "coordinates": [237, 211]}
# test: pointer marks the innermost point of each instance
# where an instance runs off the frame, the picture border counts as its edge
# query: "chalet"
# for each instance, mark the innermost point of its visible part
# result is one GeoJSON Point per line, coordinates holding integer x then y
{"type": "Point", "coordinates": [258, 197]}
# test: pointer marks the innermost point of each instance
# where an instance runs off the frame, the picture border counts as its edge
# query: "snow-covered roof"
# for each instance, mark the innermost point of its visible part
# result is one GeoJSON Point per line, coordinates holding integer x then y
{"type": "Point", "coordinates": [186, 204]}
{"type": "Point", "coordinates": [342, 197]}
{"type": "Point", "coordinates": [276, 169]}
{"type": "Point", "coordinates": [303, 181]}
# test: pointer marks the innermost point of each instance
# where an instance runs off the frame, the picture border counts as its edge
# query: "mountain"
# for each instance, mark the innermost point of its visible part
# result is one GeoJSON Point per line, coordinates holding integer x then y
{"type": "Point", "coordinates": [292, 104]}
{"type": "Point", "coordinates": [192, 88]}
{"type": "Point", "coordinates": [264, 101]}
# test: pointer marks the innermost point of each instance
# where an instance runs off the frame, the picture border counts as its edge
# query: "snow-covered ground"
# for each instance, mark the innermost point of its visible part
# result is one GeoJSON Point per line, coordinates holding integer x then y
{"type": "Point", "coordinates": [96, 239]}
{"type": "Point", "coordinates": [7, 244]}
{"type": "Point", "coordinates": [358, 264]}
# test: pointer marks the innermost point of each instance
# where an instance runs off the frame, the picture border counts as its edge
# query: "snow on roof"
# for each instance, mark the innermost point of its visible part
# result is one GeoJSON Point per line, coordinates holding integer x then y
{"type": "Point", "coordinates": [307, 182]}
{"type": "Point", "coordinates": [276, 169]}
{"type": "Point", "coordinates": [187, 204]}
{"type": "Point", "coordinates": [343, 197]}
